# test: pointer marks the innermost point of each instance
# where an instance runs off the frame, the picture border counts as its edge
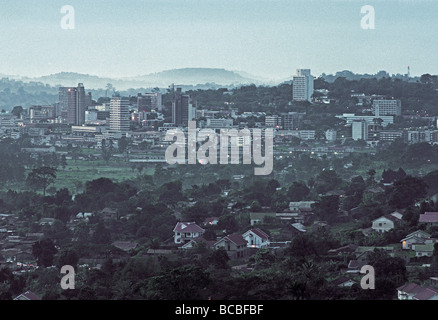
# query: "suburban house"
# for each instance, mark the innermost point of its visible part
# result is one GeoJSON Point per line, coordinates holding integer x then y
{"type": "Point", "coordinates": [46, 221]}
{"type": "Point", "coordinates": [347, 249]}
{"type": "Point", "coordinates": [211, 221]}
{"type": "Point", "coordinates": [256, 238]}
{"type": "Point", "coordinates": [413, 291]}
{"type": "Point", "coordinates": [422, 250]}
{"type": "Point", "coordinates": [301, 206]}
{"type": "Point", "coordinates": [259, 217]}
{"type": "Point", "coordinates": [343, 281]}
{"type": "Point", "coordinates": [428, 217]}
{"type": "Point", "coordinates": [361, 249]}
{"type": "Point", "coordinates": [28, 295]}
{"type": "Point", "coordinates": [234, 244]}
{"type": "Point", "coordinates": [125, 245]}
{"type": "Point", "coordinates": [196, 242]}
{"type": "Point", "coordinates": [362, 256]}
{"type": "Point", "coordinates": [385, 223]}
{"type": "Point", "coordinates": [416, 237]}
{"type": "Point", "coordinates": [299, 227]}
{"type": "Point", "coordinates": [186, 231]}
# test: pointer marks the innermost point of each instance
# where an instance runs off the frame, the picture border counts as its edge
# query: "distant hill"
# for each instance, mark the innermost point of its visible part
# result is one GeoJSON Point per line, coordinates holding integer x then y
{"type": "Point", "coordinates": [185, 76]}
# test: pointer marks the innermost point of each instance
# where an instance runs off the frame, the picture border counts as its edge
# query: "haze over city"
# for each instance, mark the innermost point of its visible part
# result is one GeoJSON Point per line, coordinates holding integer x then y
{"type": "Point", "coordinates": [268, 39]}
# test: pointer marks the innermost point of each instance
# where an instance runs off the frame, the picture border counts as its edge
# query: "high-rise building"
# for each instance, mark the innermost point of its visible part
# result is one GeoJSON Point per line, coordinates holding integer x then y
{"type": "Point", "coordinates": [292, 120]}
{"type": "Point", "coordinates": [72, 104]}
{"type": "Point", "coordinates": [359, 130]}
{"type": "Point", "coordinates": [330, 135]}
{"type": "Point", "coordinates": [149, 101]}
{"type": "Point", "coordinates": [383, 107]}
{"type": "Point", "coordinates": [183, 110]}
{"type": "Point", "coordinates": [273, 121]}
{"type": "Point", "coordinates": [119, 115]}
{"type": "Point", "coordinates": [302, 85]}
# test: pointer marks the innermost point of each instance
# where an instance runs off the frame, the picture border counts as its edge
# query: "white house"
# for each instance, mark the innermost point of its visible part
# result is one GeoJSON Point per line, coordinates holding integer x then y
{"type": "Point", "coordinates": [186, 231]}
{"type": "Point", "coordinates": [256, 238]}
{"type": "Point", "coordinates": [416, 237]}
{"type": "Point", "coordinates": [385, 223]}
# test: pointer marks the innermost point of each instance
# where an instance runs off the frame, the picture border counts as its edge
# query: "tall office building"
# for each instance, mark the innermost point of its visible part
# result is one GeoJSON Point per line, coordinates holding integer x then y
{"type": "Point", "coordinates": [183, 110]}
{"type": "Point", "coordinates": [273, 121]}
{"type": "Point", "coordinates": [119, 115]}
{"type": "Point", "coordinates": [359, 130]}
{"type": "Point", "coordinates": [292, 120]}
{"type": "Point", "coordinates": [149, 101]}
{"type": "Point", "coordinates": [72, 104]}
{"type": "Point", "coordinates": [302, 85]}
{"type": "Point", "coordinates": [383, 107]}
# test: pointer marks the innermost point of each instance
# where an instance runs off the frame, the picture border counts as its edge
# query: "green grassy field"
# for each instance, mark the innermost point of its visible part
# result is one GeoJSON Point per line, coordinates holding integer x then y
{"type": "Point", "coordinates": [78, 172]}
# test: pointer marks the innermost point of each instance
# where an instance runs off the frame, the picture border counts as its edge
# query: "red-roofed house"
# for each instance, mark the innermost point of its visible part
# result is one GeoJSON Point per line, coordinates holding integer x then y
{"type": "Point", "coordinates": [28, 295]}
{"type": "Point", "coordinates": [428, 217]}
{"type": "Point", "coordinates": [256, 238]}
{"type": "Point", "coordinates": [234, 245]}
{"type": "Point", "coordinates": [413, 291]}
{"type": "Point", "coordinates": [186, 231]}
{"type": "Point", "coordinates": [385, 223]}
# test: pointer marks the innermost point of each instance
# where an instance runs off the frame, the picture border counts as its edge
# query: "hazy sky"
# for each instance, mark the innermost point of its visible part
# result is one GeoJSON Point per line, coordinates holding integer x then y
{"type": "Point", "coordinates": [268, 38]}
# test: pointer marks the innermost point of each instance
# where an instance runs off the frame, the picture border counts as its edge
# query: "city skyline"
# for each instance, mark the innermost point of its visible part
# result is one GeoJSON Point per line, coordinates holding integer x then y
{"type": "Point", "coordinates": [269, 39]}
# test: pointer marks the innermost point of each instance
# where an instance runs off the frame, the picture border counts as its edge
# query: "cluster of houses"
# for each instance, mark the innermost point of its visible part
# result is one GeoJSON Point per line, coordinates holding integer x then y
{"type": "Point", "coordinates": [418, 241]}
{"type": "Point", "coordinates": [189, 235]}
{"type": "Point", "coordinates": [15, 248]}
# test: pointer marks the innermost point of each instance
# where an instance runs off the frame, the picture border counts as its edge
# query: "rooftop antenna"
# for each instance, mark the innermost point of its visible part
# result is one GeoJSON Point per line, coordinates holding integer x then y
{"type": "Point", "coordinates": [409, 71]}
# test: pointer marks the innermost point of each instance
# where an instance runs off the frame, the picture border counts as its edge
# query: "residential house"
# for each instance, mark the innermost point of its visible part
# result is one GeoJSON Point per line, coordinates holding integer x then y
{"type": "Point", "coordinates": [416, 237]}
{"type": "Point", "coordinates": [413, 291]}
{"type": "Point", "coordinates": [429, 218]}
{"type": "Point", "coordinates": [348, 249]}
{"type": "Point", "coordinates": [211, 221]}
{"type": "Point", "coordinates": [46, 221]}
{"type": "Point", "coordinates": [422, 250]}
{"type": "Point", "coordinates": [256, 238]}
{"type": "Point", "coordinates": [300, 206]}
{"type": "Point", "coordinates": [125, 245]}
{"type": "Point", "coordinates": [259, 217]}
{"type": "Point", "coordinates": [234, 244]}
{"type": "Point", "coordinates": [299, 227]}
{"type": "Point", "coordinates": [361, 249]}
{"type": "Point", "coordinates": [385, 223]}
{"type": "Point", "coordinates": [355, 265]}
{"type": "Point", "coordinates": [194, 243]}
{"type": "Point", "coordinates": [186, 231]}
{"type": "Point", "coordinates": [107, 214]}
{"type": "Point", "coordinates": [343, 281]}
{"type": "Point", "coordinates": [291, 230]}
{"type": "Point", "coordinates": [28, 295]}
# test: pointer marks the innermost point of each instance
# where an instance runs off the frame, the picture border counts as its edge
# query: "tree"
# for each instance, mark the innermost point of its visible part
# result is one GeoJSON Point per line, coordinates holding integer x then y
{"type": "Point", "coordinates": [327, 208]}
{"type": "Point", "coordinates": [219, 259]}
{"type": "Point", "coordinates": [298, 191]}
{"type": "Point", "coordinates": [182, 283]}
{"type": "Point", "coordinates": [327, 180]}
{"type": "Point", "coordinates": [41, 178]}
{"type": "Point", "coordinates": [68, 257]}
{"type": "Point", "coordinates": [407, 191]}
{"type": "Point", "coordinates": [17, 110]}
{"type": "Point", "coordinates": [123, 144]}
{"type": "Point", "coordinates": [63, 161]}
{"type": "Point", "coordinates": [44, 251]}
